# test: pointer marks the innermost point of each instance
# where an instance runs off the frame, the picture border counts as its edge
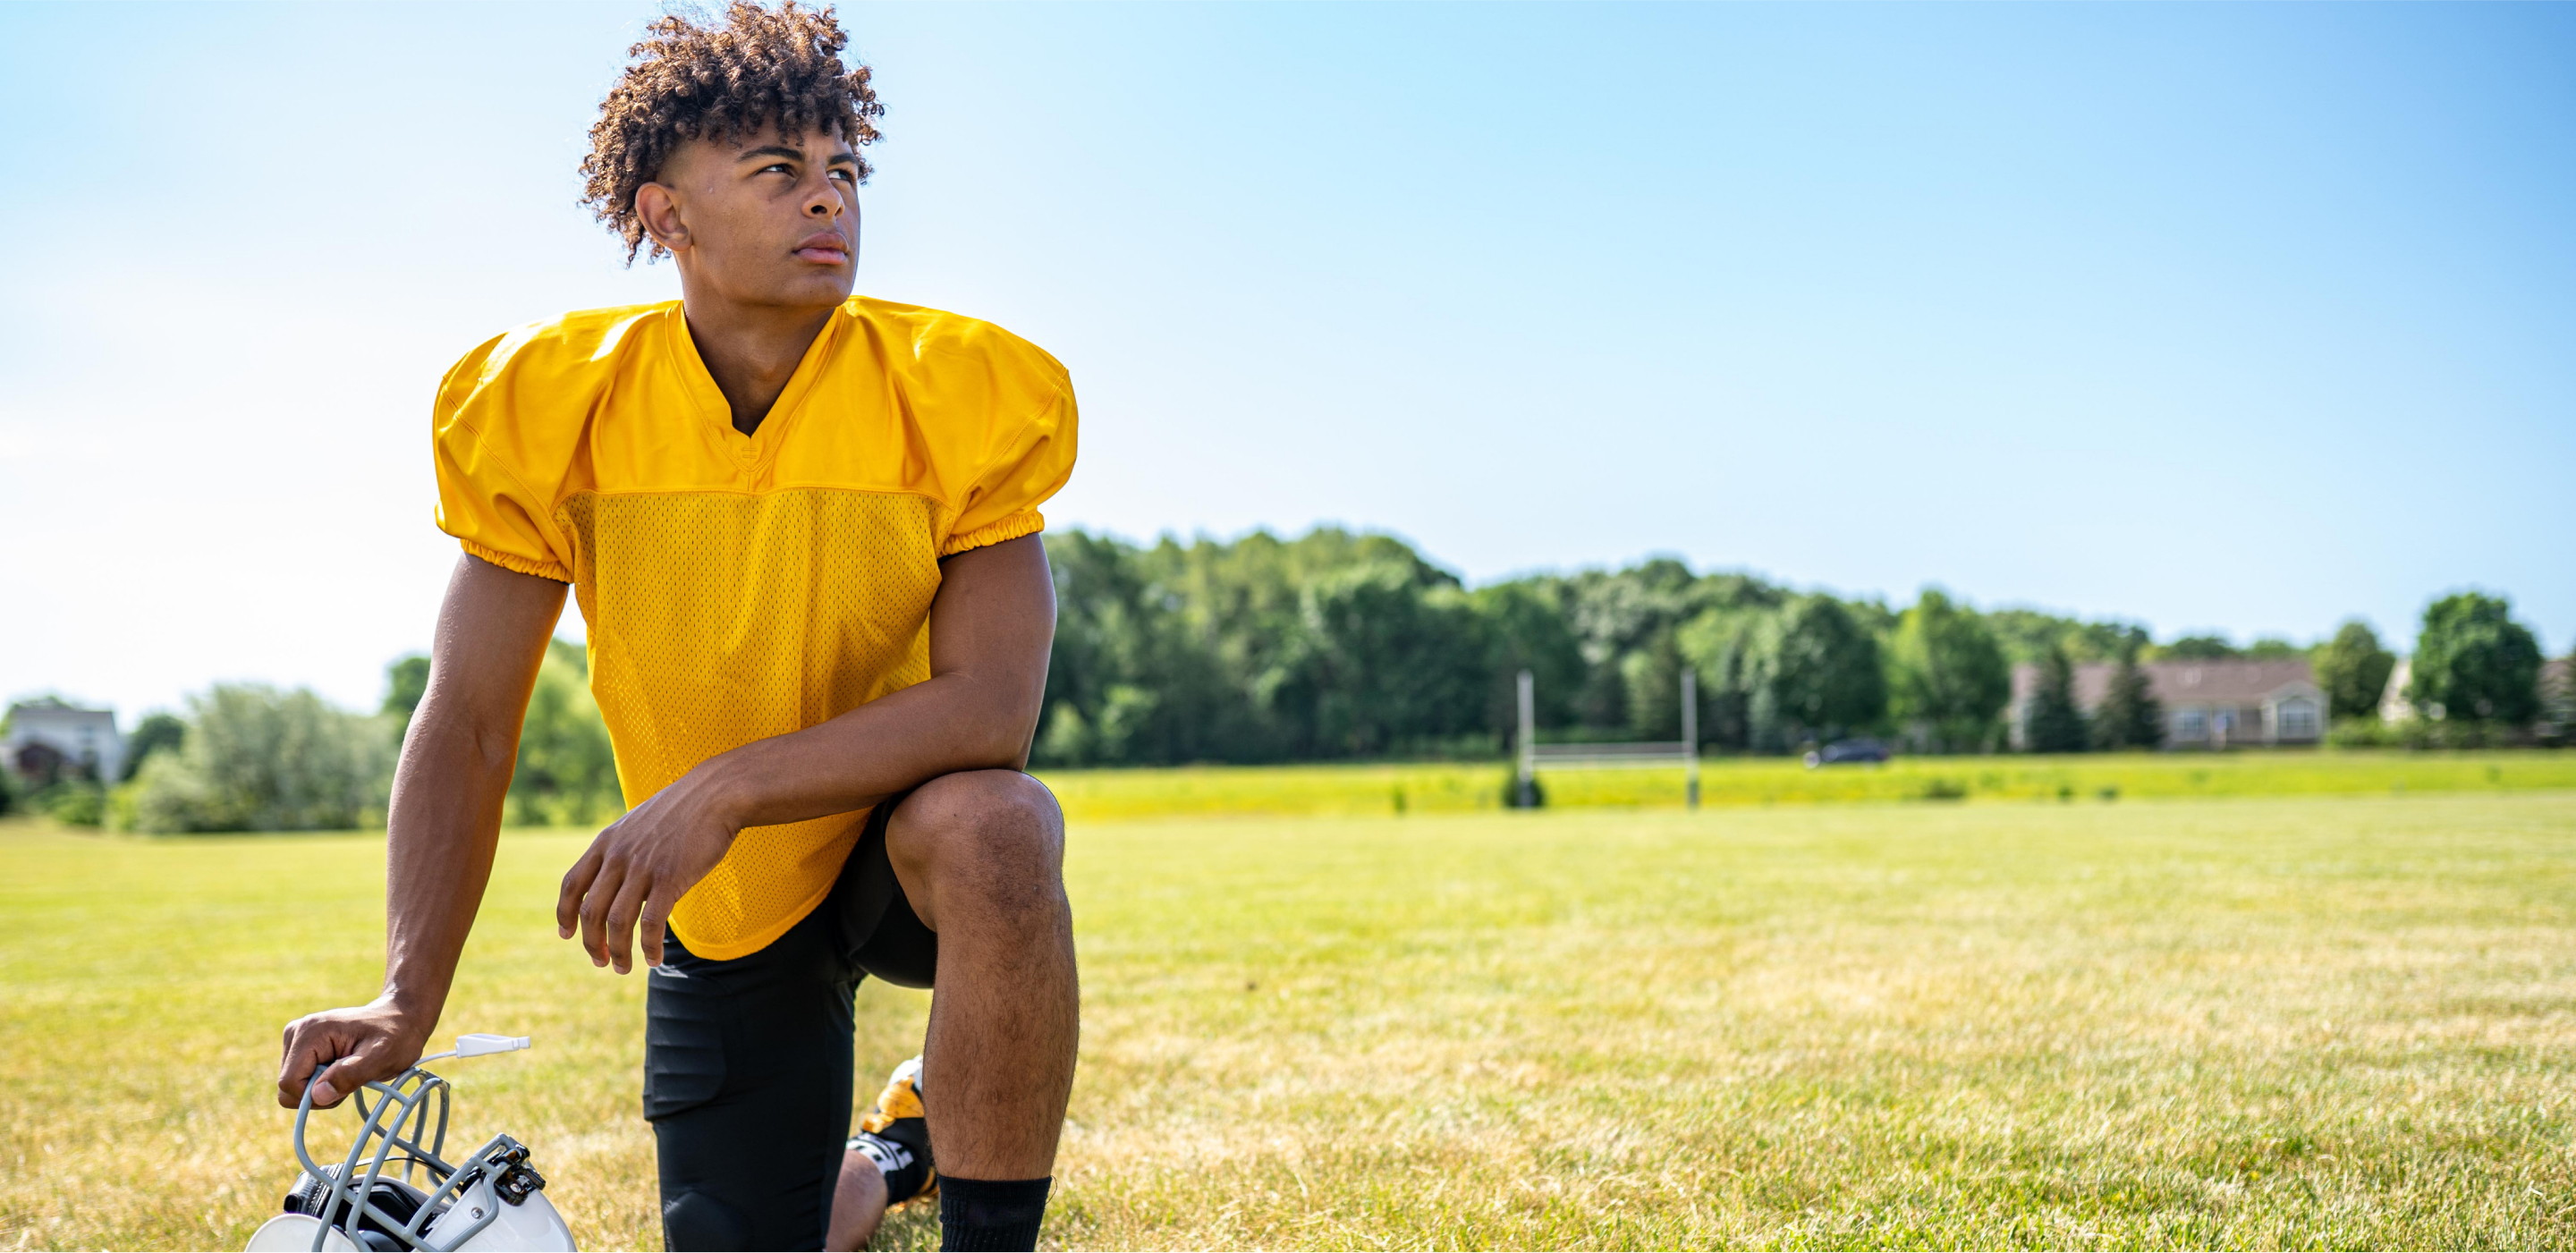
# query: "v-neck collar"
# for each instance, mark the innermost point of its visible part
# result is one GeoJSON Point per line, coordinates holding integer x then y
{"type": "Point", "coordinates": [753, 450]}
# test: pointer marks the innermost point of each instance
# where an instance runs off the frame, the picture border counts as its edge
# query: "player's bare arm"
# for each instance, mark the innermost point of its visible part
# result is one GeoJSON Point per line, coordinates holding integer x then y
{"type": "Point", "coordinates": [442, 828]}
{"type": "Point", "coordinates": [990, 629]}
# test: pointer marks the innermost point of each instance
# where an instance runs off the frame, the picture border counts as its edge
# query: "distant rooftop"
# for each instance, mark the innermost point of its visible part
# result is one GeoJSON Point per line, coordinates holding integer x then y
{"type": "Point", "coordinates": [2179, 682]}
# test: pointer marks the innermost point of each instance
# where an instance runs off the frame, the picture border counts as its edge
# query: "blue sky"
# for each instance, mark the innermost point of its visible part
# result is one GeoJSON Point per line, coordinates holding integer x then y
{"type": "Point", "coordinates": [2235, 318]}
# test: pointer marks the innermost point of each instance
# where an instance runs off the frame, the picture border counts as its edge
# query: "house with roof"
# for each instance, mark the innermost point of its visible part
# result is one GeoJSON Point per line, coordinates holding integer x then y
{"type": "Point", "coordinates": [2207, 704]}
{"type": "Point", "coordinates": [48, 739]}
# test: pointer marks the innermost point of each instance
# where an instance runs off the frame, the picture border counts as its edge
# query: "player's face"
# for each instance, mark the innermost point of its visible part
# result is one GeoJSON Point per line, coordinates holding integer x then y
{"type": "Point", "coordinates": [767, 219]}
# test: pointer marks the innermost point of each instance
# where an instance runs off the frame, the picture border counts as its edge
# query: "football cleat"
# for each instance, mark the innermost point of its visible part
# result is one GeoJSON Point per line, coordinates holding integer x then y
{"type": "Point", "coordinates": [394, 1191]}
{"type": "Point", "coordinates": [895, 1134]}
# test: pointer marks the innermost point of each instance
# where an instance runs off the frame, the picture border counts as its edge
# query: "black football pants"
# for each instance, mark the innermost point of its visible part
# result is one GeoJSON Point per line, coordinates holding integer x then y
{"type": "Point", "coordinates": [747, 1062]}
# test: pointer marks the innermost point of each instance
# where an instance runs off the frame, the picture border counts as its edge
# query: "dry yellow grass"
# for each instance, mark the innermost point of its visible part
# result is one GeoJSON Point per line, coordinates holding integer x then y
{"type": "Point", "coordinates": [2331, 1022]}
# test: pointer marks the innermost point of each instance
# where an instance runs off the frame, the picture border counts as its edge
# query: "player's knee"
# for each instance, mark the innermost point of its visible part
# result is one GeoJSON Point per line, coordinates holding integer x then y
{"type": "Point", "coordinates": [996, 832]}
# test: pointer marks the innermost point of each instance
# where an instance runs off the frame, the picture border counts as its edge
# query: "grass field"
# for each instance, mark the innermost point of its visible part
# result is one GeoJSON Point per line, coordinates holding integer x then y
{"type": "Point", "coordinates": [2316, 1021]}
{"type": "Point", "coordinates": [1466, 787]}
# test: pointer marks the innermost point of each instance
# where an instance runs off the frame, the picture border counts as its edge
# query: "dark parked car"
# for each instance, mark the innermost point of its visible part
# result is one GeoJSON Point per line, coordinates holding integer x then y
{"type": "Point", "coordinates": [1849, 752]}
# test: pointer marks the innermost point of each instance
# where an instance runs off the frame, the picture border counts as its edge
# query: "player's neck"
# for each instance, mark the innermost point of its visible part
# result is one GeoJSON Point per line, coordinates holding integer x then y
{"type": "Point", "coordinates": [751, 350]}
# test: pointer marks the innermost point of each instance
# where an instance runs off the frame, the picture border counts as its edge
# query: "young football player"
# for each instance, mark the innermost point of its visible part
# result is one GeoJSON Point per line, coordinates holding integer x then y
{"type": "Point", "coordinates": [802, 527]}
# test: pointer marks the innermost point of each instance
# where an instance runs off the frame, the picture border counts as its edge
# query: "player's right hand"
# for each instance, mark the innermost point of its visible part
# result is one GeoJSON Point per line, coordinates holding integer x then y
{"type": "Point", "coordinates": [353, 1045]}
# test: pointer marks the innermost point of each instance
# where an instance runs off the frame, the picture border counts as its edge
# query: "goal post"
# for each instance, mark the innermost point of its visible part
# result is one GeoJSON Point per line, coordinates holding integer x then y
{"type": "Point", "coordinates": [1528, 742]}
{"type": "Point", "coordinates": [1649, 753]}
{"type": "Point", "coordinates": [1690, 738]}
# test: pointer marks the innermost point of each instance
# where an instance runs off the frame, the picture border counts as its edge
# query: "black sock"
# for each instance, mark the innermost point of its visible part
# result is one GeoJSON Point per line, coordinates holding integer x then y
{"type": "Point", "coordinates": [990, 1215]}
{"type": "Point", "coordinates": [902, 1155]}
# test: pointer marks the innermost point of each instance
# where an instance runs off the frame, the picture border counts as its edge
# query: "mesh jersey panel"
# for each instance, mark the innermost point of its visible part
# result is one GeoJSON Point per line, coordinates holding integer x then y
{"type": "Point", "coordinates": [719, 618]}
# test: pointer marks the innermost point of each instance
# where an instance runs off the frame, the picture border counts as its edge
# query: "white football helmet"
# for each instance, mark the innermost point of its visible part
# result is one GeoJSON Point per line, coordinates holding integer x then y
{"type": "Point", "coordinates": [491, 1200]}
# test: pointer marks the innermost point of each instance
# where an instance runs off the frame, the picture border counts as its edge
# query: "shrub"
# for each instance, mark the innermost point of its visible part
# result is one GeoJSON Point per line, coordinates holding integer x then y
{"type": "Point", "coordinates": [72, 802]}
{"type": "Point", "coordinates": [121, 810]}
{"type": "Point", "coordinates": [2425, 734]}
{"type": "Point", "coordinates": [2464, 733]}
{"type": "Point", "coordinates": [256, 759]}
{"type": "Point", "coordinates": [2362, 732]}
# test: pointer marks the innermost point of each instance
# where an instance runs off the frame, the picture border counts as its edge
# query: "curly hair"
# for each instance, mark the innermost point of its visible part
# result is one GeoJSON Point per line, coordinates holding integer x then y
{"type": "Point", "coordinates": [693, 79]}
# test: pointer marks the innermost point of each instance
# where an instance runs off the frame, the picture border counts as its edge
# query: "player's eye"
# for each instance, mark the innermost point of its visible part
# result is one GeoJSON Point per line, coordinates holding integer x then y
{"type": "Point", "coordinates": [780, 168]}
{"type": "Point", "coordinates": [846, 177]}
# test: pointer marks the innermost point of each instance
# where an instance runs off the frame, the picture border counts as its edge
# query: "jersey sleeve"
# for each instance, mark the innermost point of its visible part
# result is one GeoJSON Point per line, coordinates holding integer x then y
{"type": "Point", "coordinates": [1020, 473]}
{"type": "Point", "coordinates": [483, 500]}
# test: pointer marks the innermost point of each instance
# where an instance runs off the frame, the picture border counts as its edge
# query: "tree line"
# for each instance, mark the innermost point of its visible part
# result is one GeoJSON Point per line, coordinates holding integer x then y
{"type": "Point", "coordinates": [1337, 645]}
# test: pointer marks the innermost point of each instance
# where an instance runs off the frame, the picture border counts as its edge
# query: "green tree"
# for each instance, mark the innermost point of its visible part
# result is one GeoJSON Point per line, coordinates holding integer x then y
{"type": "Point", "coordinates": [406, 681]}
{"type": "Point", "coordinates": [1653, 674]}
{"type": "Point", "coordinates": [1384, 661]}
{"type": "Point", "coordinates": [1528, 629]}
{"type": "Point", "coordinates": [2199, 648]}
{"type": "Point", "coordinates": [1947, 673]}
{"type": "Point", "coordinates": [2474, 661]}
{"type": "Point", "coordinates": [566, 774]}
{"type": "Point", "coordinates": [2129, 716]}
{"type": "Point", "coordinates": [2028, 634]}
{"type": "Point", "coordinates": [157, 733]}
{"type": "Point", "coordinates": [1221, 660]}
{"type": "Point", "coordinates": [2354, 670]}
{"type": "Point", "coordinates": [1819, 674]}
{"type": "Point", "coordinates": [1616, 613]}
{"type": "Point", "coordinates": [1722, 644]}
{"type": "Point", "coordinates": [257, 759]}
{"type": "Point", "coordinates": [1108, 628]}
{"type": "Point", "coordinates": [1134, 677]}
{"type": "Point", "coordinates": [2055, 724]}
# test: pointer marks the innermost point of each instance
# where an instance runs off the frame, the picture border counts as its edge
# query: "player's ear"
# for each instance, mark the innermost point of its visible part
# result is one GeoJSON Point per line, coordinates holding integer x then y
{"type": "Point", "coordinates": [659, 211]}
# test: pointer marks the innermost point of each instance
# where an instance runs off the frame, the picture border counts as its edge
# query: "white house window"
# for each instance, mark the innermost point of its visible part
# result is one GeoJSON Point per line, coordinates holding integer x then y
{"type": "Point", "coordinates": [2191, 724]}
{"type": "Point", "coordinates": [2298, 721]}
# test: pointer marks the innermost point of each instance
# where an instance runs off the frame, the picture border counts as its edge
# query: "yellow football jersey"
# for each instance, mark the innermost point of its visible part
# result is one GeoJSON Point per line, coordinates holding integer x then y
{"type": "Point", "coordinates": [739, 587]}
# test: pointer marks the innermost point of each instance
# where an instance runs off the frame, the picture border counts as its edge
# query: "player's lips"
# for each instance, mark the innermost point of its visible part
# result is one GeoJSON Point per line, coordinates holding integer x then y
{"type": "Point", "coordinates": [824, 247]}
